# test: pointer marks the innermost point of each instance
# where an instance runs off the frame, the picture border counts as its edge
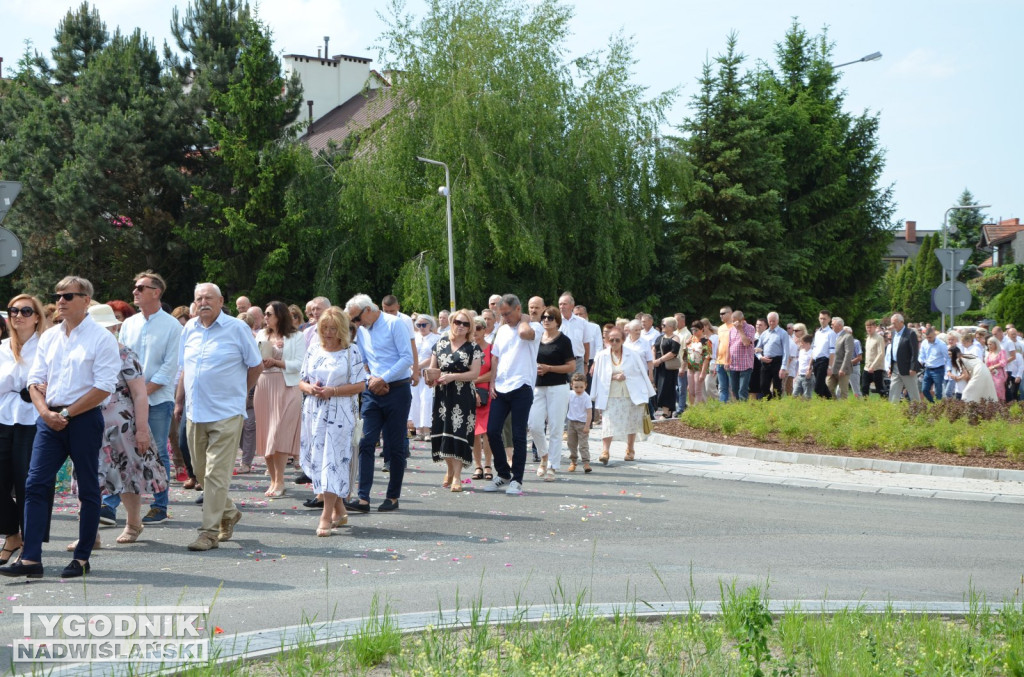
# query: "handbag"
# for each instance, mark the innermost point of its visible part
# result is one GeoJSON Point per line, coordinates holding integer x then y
{"type": "Point", "coordinates": [648, 425]}
{"type": "Point", "coordinates": [484, 394]}
{"type": "Point", "coordinates": [675, 363]}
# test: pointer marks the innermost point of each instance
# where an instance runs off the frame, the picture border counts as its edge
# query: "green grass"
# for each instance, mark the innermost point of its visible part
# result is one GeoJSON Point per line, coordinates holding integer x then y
{"type": "Point", "coordinates": [744, 640]}
{"type": "Point", "coordinates": [860, 424]}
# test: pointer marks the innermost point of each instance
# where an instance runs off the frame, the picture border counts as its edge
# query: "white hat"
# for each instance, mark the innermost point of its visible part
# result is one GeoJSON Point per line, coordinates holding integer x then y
{"type": "Point", "coordinates": [104, 315]}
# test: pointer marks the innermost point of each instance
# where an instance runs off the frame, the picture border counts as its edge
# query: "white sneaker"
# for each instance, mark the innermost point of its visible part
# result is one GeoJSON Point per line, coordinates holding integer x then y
{"type": "Point", "coordinates": [514, 489]}
{"type": "Point", "coordinates": [550, 475]}
{"type": "Point", "coordinates": [495, 484]}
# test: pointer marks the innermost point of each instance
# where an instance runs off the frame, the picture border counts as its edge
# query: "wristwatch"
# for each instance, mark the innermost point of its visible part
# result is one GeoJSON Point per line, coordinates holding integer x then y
{"type": "Point", "coordinates": [65, 414]}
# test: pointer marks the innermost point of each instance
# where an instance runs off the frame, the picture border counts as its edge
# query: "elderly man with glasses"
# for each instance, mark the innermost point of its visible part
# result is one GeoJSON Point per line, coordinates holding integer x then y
{"type": "Point", "coordinates": [385, 342]}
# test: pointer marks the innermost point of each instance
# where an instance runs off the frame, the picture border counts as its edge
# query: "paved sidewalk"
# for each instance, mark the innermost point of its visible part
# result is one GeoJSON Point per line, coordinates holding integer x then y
{"type": "Point", "coordinates": [841, 473]}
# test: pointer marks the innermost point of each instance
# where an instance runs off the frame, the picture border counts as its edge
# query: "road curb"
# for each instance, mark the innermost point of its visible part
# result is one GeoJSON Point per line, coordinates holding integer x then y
{"type": "Point", "coordinates": [844, 462]}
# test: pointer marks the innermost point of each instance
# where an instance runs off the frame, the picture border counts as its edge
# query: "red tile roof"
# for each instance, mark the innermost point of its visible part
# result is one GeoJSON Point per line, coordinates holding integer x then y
{"type": "Point", "coordinates": [997, 233]}
{"type": "Point", "coordinates": [358, 113]}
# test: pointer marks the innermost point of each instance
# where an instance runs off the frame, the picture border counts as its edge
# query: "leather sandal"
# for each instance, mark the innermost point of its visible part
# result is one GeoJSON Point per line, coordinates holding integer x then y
{"type": "Point", "coordinates": [130, 534]}
{"type": "Point", "coordinates": [488, 475]}
{"type": "Point", "coordinates": [9, 552]}
{"type": "Point", "coordinates": [478, 474]}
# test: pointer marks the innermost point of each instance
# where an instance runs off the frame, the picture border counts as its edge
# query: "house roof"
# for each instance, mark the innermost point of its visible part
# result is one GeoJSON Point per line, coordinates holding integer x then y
{"type": "Point", "coordinates": [356, 114]}
{"type": "Point", "coordinates": [899, 248]}
{"type": "Point", "coordinates": [336, 57]}
{"type": "Point", "coordinates": [997, 233]}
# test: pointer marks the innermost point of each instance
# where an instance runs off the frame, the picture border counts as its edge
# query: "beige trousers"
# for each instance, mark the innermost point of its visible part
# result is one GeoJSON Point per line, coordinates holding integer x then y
{"type": "Point", "coordinates": [213, 446]}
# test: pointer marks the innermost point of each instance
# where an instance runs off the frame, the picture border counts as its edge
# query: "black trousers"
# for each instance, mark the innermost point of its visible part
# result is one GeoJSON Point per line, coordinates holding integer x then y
{"type": "Point", "coordinates": [820, 375]}
{"type": "Point", "coordinates": [771, 384]}
{"type": "Point", "coordinates": [877, 377]}
{"type": "Point", "coordinates": [15, 458]}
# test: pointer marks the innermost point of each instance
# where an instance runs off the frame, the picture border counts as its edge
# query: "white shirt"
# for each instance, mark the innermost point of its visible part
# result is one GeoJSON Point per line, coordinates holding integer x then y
{"type": "Point", "coordinates": [155, 341]}
{"type": "Point", "coordinates": [517, 359]}
{"type": "Point", "coordinates": [575, 328]}
{"type": "Point", "coordinates": [13, 378]}
{"type": "Point", "coordinates": [803, 362]}
{"type": "Point", "coordinates": [579, 405]}
{"type": "Point", "coordinates": [72, 365]}
{"type": "Point", "coordinates": [642, 346]}
{"type": "Point", "coordinates": [824, 343]}
{"type": "Point", "coordinates": [651, 334]}
{"type": "Point", "coordinates": [595, 339]}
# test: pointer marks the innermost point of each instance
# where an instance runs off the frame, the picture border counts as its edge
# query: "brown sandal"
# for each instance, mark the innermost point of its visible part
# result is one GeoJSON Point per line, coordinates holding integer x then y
{"type": "Point", "coordinates": [478, 474]}
{"type": "Point", "coordinates": [488, 475]}
{"type": "Point", "coordinates": [130, 534]}
{"type": "Point", "coordinates": [629, 454]}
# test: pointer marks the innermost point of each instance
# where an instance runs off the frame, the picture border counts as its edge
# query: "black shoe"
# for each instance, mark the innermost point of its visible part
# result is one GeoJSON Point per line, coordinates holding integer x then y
{"type": "Point", "coordinates": [356, 506]}
{"type": "Point", "coordinates": [75, 570]}
{"type": "Point", "coordinates": [387, 506]}
{"type": "Point", "coordinates": [314, 503]}
{"type": "Point", "coordinates": [199, 501]}
{"type": "Point", "coordinates": [303, 478]}
{"type": "Point", "coordinates": [21, 569]}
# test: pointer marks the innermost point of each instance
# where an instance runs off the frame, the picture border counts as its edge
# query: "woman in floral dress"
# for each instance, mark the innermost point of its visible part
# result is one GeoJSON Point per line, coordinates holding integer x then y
{"type": "Point", "coordinates": [129, 463]}
{"type": "Point", "coordinates": [332, 377]}
{"type": "Point", "coordinates": [454, 367]}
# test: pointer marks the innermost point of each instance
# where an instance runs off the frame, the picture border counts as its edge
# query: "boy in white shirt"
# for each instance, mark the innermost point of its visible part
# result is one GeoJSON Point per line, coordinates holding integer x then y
{"type": "Point", "coordinates": [803, 385]}
{"type": "Point", "coordinates": [579, 423]}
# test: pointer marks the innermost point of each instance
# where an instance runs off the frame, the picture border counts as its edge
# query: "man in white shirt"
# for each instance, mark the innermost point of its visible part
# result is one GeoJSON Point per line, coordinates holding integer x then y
{"type": "Point", "coordinates": [514, 362]}
{"type": "Point", "coordinates": [575, 328]}
{"type": "Point", "coordinates": [74, 372]}
{"type": "Point", "coordinates": [220, 364]}
{"type": "Point", "coordinates": [595, 341]}
{"type": "Point", "coordinates": [153, 335]}
{"type": "Point", "coordinates": [649, 331]}
{"type": "Point", "coordinates": [490, 326]}
{"type": "Point", "coordinates": [823, 350]}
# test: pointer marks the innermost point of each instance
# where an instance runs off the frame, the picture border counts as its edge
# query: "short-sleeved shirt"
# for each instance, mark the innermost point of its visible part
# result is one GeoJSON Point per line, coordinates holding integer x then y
{"type": "Point", "coordinates": [517, 358]}
{"type": "Point", "coordinates": [216, 362]}
{"type": "Point", "coordinates": [555, 354]}
{"type": "Point", "coordinates": [741, 356]}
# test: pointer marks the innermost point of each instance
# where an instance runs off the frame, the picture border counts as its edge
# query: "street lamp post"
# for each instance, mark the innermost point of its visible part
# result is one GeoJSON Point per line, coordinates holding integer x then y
{"type": "Point", "coordinates": [945, 238]}
{"type": "Point", "coordinates": [874, 56]}
{"type": "Point", "coordinates": [446, 190]}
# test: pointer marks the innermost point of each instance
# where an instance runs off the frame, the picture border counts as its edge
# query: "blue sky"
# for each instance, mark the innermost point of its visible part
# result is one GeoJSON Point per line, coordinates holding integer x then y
{"type": "Point", "coordinates": [949, 96]}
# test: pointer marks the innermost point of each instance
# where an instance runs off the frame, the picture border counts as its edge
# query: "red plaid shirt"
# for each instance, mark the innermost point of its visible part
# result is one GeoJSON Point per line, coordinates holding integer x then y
{"type": "Point", "coordinates": [741, 357]}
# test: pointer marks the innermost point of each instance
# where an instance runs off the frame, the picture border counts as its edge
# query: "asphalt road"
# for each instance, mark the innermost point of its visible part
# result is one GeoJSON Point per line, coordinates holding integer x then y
{"type": "Point", "coordinates": [620, 534]}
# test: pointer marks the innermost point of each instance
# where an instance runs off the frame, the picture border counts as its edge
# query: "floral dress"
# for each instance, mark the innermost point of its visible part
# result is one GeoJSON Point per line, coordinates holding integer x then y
{"type": "Point", "coordinates": [122, 469]}
{"type": "Point", "coordinates": [451, 432]}
{"type": "Point", "coordinates": [328, 425]}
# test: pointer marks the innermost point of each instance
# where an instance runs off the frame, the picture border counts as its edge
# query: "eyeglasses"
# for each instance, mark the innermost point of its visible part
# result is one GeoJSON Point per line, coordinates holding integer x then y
{"type": "Point", "coordinates": [67, 296]}
{"type": "Point", "coordinates": [547, 318]}
{"type": "Point", "coordinates": [614, 340]}
{"type": "Point", "coordinates": [723, 312]}
{"type": "Point", "coordinates": [142, 287]}
{"type": "Point", "coordinates": [26, 311]}
{"type": "Point", "coordinates": [421, 325]}
{"type": "Point", "coordinates": [460, 323]}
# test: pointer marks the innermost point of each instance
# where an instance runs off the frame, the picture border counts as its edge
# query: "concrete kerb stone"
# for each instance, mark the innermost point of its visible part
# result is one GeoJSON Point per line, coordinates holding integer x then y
{"type": "Point", "coordinates": [846, 462]}
{"type": "Point", "coordinates": [267, 643]}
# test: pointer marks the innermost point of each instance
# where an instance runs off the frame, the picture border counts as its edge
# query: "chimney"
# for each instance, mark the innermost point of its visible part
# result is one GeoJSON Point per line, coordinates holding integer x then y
{"type": "Point", "coordinates": [327, 40]}
{"type": "Point", "coordinates": [318, 52]}
{"type": "Point", "coordinates": [911, 231]}
{"type": "Point", "coordinates": [310, 104]}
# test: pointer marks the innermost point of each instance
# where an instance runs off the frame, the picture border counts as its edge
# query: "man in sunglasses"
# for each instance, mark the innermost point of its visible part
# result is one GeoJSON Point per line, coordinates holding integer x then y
{"type": "Point", "coordinates": [384, 341]}
{"type": "Point", "coordinates": [153, 335]}
{"type": "Point", "coordinates": [74, 373]}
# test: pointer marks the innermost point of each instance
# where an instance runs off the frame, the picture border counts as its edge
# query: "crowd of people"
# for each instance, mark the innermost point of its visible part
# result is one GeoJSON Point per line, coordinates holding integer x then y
{"type": "Point", "coordinates": [138, 399]}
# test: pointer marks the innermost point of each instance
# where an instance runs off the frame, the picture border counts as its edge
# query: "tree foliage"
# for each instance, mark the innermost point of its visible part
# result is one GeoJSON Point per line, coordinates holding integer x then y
{"type": "Point", "coordinates": [965, 228]}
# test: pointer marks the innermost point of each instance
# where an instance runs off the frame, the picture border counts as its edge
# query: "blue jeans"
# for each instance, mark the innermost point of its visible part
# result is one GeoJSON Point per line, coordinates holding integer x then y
{"type": "Point", "coordinates": [723, 383]}
{"type": "Point", "coordinates": [933, 376]}
{"type": "Point", "coordinates": [517, 404]}
{"type": "Point", "coordinates": [80, 439]}
{"type": "Point", "coordinates": [159, 429]}
{"type": "Point", "coordinates": [384, 417]}
{"type": "Point", "coordinates": [739, 383]}
{"type": "Point", "coordinates": [681, 387]}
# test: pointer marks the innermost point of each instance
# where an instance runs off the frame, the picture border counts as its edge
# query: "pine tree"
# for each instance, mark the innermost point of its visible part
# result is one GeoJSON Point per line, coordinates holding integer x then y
{"type": "Point", "coordinates": [965, 228]}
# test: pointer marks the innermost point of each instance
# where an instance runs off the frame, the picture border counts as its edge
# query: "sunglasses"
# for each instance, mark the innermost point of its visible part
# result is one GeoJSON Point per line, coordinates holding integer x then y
{"type": "Point", "coordinates": [614, 340]}
{"type": "Point", "coordinates": [460, 323]}
{"type": "Point", "coordinates": [358, 319]}
{"type": "Point", "coordinates": [723, 312]}
{"type": "Point", "coordinates": [142, 287]}
{"type": "Point", "coordinates": [423, 324]}
{"type": "Point", "coordinates": [67, 296]}
{"type": "Point", "coordinates": [548, 318]}
{"type": "Point", "coordinates": [26, 311]}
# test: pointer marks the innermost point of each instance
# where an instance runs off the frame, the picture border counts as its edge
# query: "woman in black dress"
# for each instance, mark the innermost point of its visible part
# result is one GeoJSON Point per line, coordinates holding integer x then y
{"type": "Point", "coordinates": [454, 367]}
{"type": "Point", "coordinates": [666, 368]}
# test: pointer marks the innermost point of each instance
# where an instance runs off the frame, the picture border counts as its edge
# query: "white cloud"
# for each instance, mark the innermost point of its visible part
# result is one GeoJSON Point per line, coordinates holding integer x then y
{"type": "Point", "coordinates": [925, 63]}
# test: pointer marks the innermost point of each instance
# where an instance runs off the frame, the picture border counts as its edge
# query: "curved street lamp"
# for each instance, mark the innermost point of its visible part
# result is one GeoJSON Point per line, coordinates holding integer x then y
{"type": "Point", "coordinates": [447, 192]}
{"type": "Point", "coordinates": [873, 56]}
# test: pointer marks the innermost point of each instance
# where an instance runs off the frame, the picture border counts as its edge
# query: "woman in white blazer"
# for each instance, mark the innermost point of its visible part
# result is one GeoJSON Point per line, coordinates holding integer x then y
{"type": "Point", "coordinates": [621, 389]}
{"type": "Point", "coordinates": [277, 402]}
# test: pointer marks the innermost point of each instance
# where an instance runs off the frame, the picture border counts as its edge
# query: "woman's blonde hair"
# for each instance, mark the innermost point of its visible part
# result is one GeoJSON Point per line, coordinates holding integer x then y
{"type": "Point", "coordinates": [337, 318]}
{"type": "Point", "coordinates": [41, 326]}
